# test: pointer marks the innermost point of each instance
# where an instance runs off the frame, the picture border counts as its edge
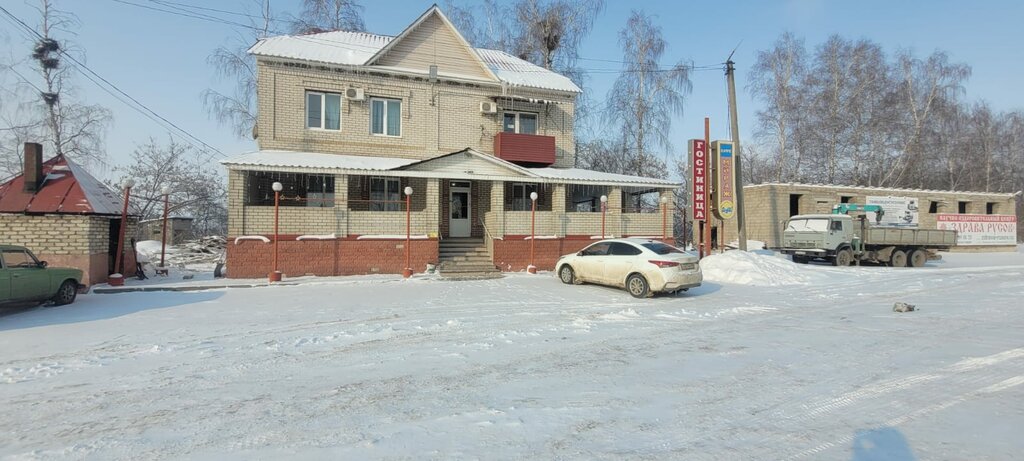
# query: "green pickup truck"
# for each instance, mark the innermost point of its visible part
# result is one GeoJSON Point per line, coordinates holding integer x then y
{"type": "Point", "coordinates": [25, 279]}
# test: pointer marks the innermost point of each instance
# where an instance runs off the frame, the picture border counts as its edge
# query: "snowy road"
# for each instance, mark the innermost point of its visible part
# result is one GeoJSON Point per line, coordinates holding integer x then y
{"type": "Point", "coordinates": [525, 367]}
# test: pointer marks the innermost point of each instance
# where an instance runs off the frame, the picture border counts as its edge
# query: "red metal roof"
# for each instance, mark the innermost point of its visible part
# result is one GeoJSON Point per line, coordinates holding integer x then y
{"type": "Point", "coordinates": [67, 188]}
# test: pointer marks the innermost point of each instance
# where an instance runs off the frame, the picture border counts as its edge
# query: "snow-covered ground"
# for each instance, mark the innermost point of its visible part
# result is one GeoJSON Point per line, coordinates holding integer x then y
{"type": "Point", "coordinates": [767, 360]}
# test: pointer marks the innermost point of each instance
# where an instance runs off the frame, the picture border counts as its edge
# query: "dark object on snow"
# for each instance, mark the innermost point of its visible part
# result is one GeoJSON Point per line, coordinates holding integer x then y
{"type": "Point", "coordinates": [217, 271]}
{"type": "Point", "coordinates": [139, 271]}
{"type": "Point", "coordinates": [902, 307]}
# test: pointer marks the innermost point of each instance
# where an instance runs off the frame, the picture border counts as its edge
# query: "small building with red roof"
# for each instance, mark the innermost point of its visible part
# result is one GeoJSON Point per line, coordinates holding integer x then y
{"type": "Point", "coordinates": [65, 215]}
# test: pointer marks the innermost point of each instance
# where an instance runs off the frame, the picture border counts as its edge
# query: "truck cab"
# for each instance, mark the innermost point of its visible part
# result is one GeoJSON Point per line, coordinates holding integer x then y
{"type": "Point", "coordinates": [812, 236]}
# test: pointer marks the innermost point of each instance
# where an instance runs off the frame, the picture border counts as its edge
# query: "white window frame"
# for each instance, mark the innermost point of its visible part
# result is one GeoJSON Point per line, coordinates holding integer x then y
{"type": "Point", "coordinates": [323, 110]}
{"type": "Point", "coordinates": [519, 130]}
{"type": "Point", "coordinates": [384, 125]}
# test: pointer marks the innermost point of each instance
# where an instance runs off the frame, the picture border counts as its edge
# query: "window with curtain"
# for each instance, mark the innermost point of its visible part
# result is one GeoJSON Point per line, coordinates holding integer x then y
{"type": "Point", "coordinates": [386, 117]}
{"type": "Point", "coordinates": [323, 110]}
{"type": "Point", "coordinates": [385, 194]}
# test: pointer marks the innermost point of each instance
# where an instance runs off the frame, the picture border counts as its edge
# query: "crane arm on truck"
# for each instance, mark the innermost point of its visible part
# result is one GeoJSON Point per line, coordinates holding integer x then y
{"type": "Point", "coordinates": [844, 208]}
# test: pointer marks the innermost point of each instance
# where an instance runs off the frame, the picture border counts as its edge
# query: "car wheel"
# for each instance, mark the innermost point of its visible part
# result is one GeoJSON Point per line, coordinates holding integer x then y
{"type": "Point", "coordinates": [566, 274]}
{"type": "Point", "coordinates": [66, 293]}
{"type": "Point", "coordinates": [637, 286]}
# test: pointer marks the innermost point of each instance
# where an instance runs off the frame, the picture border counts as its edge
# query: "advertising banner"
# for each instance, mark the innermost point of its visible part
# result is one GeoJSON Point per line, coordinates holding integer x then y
{"type": "Point", "coordinates": [725, 180]}
{"type": "Point", "coordinates": [699, 181]}
{"type": "Point", "coordinates": [898, 211]}
{"type": "Point", "coordinates": [980, 229]}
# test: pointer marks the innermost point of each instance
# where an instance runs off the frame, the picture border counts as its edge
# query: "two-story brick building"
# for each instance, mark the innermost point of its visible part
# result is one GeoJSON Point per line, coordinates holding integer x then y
{"type": "Point", "coordinates": [348, 120]}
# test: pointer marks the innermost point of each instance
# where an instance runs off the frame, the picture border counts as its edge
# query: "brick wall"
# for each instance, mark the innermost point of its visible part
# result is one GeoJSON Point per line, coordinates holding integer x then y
{"type": "Point", "coordinates": [513, 253]}
{"type": "Point", "coordinates": [436, 118]}
{"type": "Point", "coordinates": [767, 206]}
{"type": "Point", "coordinates": [253, 259]}
{"type": "Point", "coordinates": [66, 240]}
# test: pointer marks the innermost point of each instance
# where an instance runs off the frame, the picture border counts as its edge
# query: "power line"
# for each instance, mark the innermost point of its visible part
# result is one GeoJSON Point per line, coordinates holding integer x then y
{"type": "Point", "coordinates": [90, 74]}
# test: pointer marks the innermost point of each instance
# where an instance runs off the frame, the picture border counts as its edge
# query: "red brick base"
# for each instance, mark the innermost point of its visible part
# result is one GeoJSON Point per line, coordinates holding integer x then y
{"type": "Point", "coordinates": [513, 253]}
{"type": "Point", "coordinates": [253, 259]}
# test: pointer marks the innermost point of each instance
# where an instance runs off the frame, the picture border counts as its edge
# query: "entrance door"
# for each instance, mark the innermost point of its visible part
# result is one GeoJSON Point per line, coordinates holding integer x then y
{"type": "Point", "coordinates": [459, 214]}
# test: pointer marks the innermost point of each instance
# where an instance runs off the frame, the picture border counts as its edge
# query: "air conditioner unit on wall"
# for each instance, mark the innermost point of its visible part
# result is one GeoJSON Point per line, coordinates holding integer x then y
{"type": "Point", "coordinates": [355, 94]}
{"type": "Point", "coordinates": [488, 107]}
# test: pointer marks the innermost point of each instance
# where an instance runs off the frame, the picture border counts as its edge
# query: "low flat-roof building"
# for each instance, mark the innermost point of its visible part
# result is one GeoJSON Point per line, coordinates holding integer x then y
{"type": "Point", "coordinates": [986, 221]}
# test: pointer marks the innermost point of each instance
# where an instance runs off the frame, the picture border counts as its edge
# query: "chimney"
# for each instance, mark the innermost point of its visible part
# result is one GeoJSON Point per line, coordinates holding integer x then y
{"type": "Point", "coordinates": [33, 166]}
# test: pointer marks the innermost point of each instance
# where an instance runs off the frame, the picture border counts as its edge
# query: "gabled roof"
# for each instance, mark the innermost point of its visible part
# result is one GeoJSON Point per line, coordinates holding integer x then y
{"type": "Point", "coordinates": [432, 12]}
{"type": "Point", "coordinates": [66, 189]}
{"type": "Point", "coordinates": [436, 167]}
{"type": "Point", "coordinates": [357, 49]}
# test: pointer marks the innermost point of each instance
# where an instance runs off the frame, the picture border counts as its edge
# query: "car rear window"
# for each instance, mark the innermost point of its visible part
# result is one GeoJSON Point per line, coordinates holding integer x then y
{"type": "Point", "coordinates": [661, 248]}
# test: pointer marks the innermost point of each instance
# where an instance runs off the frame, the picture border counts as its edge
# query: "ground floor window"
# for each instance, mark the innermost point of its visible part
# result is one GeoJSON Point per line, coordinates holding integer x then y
{"type": "Point", "coordinates": [584, 198]}
{"type": "Point", "coordinates": [385, 194]}
{"type": "Point", "coordinates": [640, 200]}
{"type": "Point", "coordinates": [299, 189]}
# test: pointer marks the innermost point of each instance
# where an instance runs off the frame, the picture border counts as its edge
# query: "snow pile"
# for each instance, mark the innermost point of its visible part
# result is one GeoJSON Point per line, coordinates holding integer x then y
{"type": "Point", "coordinates": [751, 244]}
{"type": "Point", "coordinates": [202, 252]}
{"type": "Point", "coordinates": [745, 268]}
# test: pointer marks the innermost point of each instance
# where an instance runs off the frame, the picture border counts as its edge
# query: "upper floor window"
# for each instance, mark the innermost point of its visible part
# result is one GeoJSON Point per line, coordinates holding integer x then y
{"type": "Point", "coordinates": [520, 122]}
{"type": "Point", "coordinates": [386, 117]}
{"type": "Point", "coordinates": [323, 110]}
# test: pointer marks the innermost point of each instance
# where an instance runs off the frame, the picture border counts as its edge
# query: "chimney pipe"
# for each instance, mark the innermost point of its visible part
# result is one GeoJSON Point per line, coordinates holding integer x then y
{"type": "Point", "coordinates": [33, 166]}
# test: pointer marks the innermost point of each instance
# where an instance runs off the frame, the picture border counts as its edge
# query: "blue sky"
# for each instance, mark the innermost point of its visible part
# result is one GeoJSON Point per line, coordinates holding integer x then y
{"type": "Point", "coordinates": [160, 59]}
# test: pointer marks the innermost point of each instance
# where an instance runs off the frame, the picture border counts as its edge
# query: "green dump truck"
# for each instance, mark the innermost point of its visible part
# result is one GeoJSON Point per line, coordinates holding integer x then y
{"type": "Point", "coordinates": [844, 240]}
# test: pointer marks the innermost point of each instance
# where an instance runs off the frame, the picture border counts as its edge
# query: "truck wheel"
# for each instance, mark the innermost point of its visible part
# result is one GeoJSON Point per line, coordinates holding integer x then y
{"type": "Point", "coordinates": [918, 257]}
{"type": "Point", "coordinates": [843, 258]}
{"type": "Point", "coordinates": [800, 259]}
{"type": "Point", "coordinates": [898, 258]}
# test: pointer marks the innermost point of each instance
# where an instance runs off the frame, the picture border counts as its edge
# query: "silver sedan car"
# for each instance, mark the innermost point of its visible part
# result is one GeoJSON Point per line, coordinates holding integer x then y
{"type": "Point", "coordinates": [641, 266]}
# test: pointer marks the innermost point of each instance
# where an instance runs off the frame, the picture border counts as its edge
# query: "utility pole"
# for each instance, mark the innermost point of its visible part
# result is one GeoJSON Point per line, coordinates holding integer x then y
{"type": "Point", "coordinates": [741, 223]}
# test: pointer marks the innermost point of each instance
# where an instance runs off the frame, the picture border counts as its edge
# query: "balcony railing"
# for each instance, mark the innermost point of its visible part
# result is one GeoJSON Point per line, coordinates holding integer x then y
{"type": "Point", "coordinates": [525, 148]}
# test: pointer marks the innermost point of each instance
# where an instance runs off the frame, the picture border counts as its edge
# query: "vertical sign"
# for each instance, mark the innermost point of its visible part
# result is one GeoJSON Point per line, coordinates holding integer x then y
{"type": "Point", "coordinates": [699, 181]}
{"type": "Point", "coordinates": [725, 180]}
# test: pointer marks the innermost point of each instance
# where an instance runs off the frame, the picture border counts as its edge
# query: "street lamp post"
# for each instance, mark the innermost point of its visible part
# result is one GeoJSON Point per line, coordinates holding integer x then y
{"type": "Point", "coordinates": [407, 272]}
{"type": "Point", "coordinates": [533, 232]}
{"type": "Point", "coordinates": [275, 275]}
{"type": "Point", "coordinates": [604, 208]}
{"type": "Point", "coordinates": [166, 191]}
{"type": "Point", "coordinates": [117, 278]}
{"type": "Point", "coordinates": [664, 218]}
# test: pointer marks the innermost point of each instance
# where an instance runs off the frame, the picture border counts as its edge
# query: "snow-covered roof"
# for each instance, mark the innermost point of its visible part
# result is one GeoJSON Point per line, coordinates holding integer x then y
{"type": "Point", "coordinates": [882, 190]}
{"type": "Point", "coordinates": [281, 159]}
{"type": "Point", "coordinates": [284, 158]}
{"type": "Point", "coordinates": [356, 48]}
{"type": "Point", "coordinates": [579, 174]}
{"type": "Point", "coordinates": [66, 188]}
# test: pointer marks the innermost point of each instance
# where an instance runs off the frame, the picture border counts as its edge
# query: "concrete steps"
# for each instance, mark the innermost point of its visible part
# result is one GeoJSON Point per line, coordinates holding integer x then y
{"type": "Point", "coordinates": [465, 259]}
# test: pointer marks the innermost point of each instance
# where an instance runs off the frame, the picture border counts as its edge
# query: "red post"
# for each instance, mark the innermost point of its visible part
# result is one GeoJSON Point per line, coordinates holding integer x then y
{"type": "Point", "coordinates": [163, 234]}
{"type": "Point", "coordinates": [533, 232]}
{"type": "Point", "coordinates": [664, 219]}
{"type": "Point", "coordinates": [707, 197]}
{"type": "Point", "coordinates": [118, 281]}
{"type": "Point", "coordinates": [604, 208]}
{"type": "Point", "coordinates": [275, 275]}
{"type": "Point", "coordinates": [407, 272]}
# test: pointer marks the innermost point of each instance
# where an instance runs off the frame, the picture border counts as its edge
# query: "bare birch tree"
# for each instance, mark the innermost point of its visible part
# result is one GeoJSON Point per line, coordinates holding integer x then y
{"type": "Point", "coordinates": [775, 79]}
{"type": "Point", "coordinates": [646, 96]}
{"type": "Point", "coordinates": [328, 15]}
{"type": "Point", "coordinates": [232, 63]}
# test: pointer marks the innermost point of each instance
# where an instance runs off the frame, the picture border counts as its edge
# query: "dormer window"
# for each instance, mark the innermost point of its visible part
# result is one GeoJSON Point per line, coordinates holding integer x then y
{"type": "Point", "coordinates": [323, 111]}
{"type": "Point", "coordinates": [386, 117]}
{"type": "Point", "coordinates": [520, 122]}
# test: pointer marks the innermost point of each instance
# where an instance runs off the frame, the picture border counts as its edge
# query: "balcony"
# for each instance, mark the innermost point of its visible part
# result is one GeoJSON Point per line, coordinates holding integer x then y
{"type": "Point", "coordinates": [525, 149]}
